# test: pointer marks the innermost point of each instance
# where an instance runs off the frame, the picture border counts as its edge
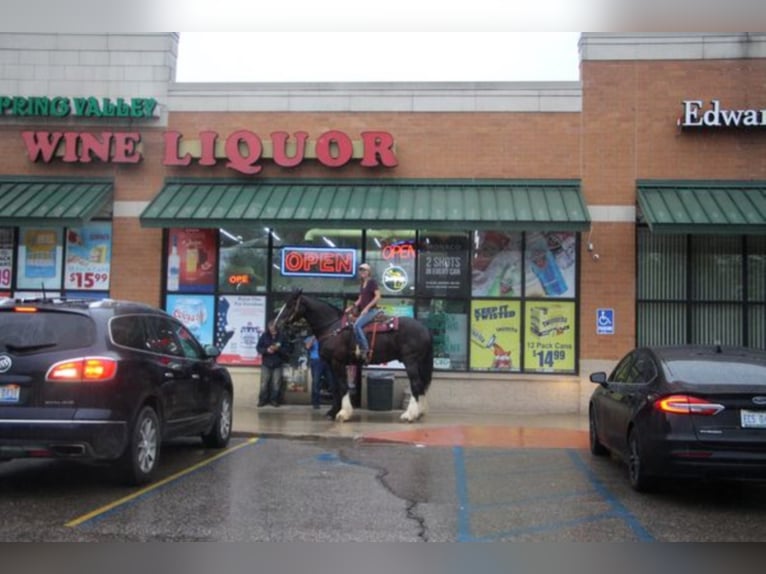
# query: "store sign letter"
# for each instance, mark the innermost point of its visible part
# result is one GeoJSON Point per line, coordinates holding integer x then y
{"type": "Point", "coordinates": [83, 147]}
{"type": "Point", "coordinates": [717, 117]}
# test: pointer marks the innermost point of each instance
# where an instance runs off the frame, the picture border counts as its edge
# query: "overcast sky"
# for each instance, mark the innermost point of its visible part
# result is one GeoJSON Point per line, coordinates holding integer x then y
{"type": "Point", "coordinates": [322, 56]}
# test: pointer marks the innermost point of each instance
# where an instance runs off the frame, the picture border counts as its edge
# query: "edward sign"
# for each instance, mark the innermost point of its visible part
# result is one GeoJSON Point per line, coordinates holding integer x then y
{"type": "Point", "coordinates": [694, 116]}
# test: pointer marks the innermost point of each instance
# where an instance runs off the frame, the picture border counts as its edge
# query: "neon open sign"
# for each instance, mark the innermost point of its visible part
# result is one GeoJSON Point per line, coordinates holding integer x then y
{"type": "Point", "coordinates": [318, 262]}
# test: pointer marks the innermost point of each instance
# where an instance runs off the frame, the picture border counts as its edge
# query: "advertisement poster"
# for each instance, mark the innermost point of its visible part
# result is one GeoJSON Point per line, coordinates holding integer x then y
{"type": "Point", "coordinates": [40, 259]}
{"type": "Point", "coordinates": [88, 257]}
{"type": "Point", "coordinates": [550, 264]}
{"type": "Point", "coordinates": [496, 264]}
{"type": "Point", "coordinates": [550, 337]}
{"type": "Point", "coordinates": [495, 335]}
{"type": "Point", "coordinates": [192, 260]}
{"type": "Point", "coordinates": [195, 312]}
{"type": "Point", "coordinates": [240, 320]}
{"type": "Point", "coordinates": [443, 274]}
{"type": "Point", "coordinates": [6, 257]}
{"type": "Point", "coordinates": [396, 308]}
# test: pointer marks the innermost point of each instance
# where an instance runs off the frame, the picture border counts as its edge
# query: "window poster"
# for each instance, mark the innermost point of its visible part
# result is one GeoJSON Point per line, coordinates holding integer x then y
{"type": "Point", "coordinates": [6, 258]}
{"type": "Point", "coordinates": [40, 258]}
{"type": "Point", "coordinates": [550, 337]}
{"type": "Point", "coordinates": [88, 257]}
{"type": "Point", "coordinates": [495, 335]}
{"type": "Point", "coordinates": [240, 320]}
{"type": "Point", "coordinates": [496, 264]}
{"type": "Point", "coordinates": [192, 260]}
{"type": "Point", "coordinates": [443, 266]}
{"type": "Point", "coordinates": [195, 312]}
{"type": "Point", "coordinates": [550, 264]}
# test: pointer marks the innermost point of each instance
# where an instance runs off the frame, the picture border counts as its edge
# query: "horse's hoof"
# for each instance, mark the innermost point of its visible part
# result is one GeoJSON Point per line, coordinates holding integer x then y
{"type": "Point", "coordinates": [405, 418]}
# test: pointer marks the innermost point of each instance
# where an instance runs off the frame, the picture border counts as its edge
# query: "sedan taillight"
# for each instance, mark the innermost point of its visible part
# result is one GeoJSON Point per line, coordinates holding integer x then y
{"type": "Point", "coordinates": [687, 405]}
{"type": "Point", "coordinates": [84, 370]}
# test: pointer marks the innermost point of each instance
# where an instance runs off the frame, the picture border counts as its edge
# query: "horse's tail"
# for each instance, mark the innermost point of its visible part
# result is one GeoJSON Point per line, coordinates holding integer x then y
{"type": "Point", "coordinates": [426, 365]}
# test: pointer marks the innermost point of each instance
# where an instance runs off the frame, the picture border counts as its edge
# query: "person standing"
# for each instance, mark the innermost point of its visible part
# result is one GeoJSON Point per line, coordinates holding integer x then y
{"type": "Point", "coordinates": [367, 305]}
{"type": "Point", "coordinates": [319, 369]}
{"type": "Point", "coordinates": [274, 352]}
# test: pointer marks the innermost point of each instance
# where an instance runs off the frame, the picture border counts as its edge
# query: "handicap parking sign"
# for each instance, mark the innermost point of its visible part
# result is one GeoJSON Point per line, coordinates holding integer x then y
{"type": "Point", "coordinates": [605, 321]}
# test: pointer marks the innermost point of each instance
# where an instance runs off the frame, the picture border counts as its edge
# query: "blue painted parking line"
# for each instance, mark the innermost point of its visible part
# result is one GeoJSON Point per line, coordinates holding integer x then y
{"type": "Point", "coordinates": [465, 509]}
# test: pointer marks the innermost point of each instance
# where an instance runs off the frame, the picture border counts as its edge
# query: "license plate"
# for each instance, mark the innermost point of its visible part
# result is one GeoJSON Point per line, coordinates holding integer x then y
{"type": "Point", "coordinates": [9, 393]}
{"type": "Point", "coordinates": [753, 419]}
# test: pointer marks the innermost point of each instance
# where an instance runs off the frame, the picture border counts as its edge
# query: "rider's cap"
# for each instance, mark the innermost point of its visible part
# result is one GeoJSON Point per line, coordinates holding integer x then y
{"type": "Point", "coordinates": [365, 266]}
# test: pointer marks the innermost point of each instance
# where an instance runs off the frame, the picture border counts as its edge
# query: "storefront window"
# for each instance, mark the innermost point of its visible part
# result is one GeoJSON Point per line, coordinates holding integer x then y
{"type": "Point", "coordinates": [496, 264]}
{"type": "Point", "coordinates": [495, 335]}
{"type": "Point", "coordinates": [700, 289]}
{"type": "Point", "coordinates": [443, 264]}
{"type": "Point", "coordinates": [316, 260]}
{"type": "Point", "coordinates": [392, 255]}
{"type": "Point", "coordinates": [192, 260]}
{"type": "Point", "coordinates": [550, 263]}
{"type": "Point", "coordinates": [244, 257]}
{"type": "Point", "coordinates": [549, 338]}
{"type": "Point", "coordinates": [448, 322]}
{"type": "Point", "coordinates": [40, 259]}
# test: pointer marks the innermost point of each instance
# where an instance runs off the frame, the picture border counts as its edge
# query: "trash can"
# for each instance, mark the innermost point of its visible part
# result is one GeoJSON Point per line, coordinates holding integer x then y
{"type": "Point", "coordinates": [380, 391]}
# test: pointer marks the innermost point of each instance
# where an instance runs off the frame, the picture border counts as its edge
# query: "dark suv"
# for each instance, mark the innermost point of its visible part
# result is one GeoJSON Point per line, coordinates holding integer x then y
{"type": "Point", "coordinates": [105, 380]}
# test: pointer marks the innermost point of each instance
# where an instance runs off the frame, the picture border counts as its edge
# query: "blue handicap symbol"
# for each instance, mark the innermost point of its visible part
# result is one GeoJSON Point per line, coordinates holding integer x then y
{"type": "Point", "coordinates": [605, 321]}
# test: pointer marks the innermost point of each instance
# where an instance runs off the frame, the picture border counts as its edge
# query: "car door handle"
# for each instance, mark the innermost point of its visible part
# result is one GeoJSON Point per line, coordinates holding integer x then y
{"type": "Point", "coordinates": [169, 375]}
{"type": "Point", "coordinates": [195, 376]}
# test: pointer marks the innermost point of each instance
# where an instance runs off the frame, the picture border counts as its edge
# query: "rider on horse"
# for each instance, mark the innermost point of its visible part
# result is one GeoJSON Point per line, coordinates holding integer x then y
{"type": "Point", "coordinates": [367, 306]}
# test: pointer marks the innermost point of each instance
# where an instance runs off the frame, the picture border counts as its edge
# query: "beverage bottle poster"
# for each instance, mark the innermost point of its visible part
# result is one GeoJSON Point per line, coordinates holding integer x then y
{"type": "Point", "coordinates": [195, 312]}
{"type": "Point", "coordinates": [496, 335]}
{"type": "Point", "coordinates": [40, 259]}
{"type": "Point", "coordinates": [549, 344]}
{"type": "Point", "coordinates": [88, 257]}
{"type": "Point", "coordinates": [6, 257]}
{"type": "Point", "coordinates": [240, 321]}
{"type": "Point", "coordinates": [550, 265]}
{"type": "Point", "coordinates": [196, 251]}
{"type": "Point", "coordinates": [496, 264]}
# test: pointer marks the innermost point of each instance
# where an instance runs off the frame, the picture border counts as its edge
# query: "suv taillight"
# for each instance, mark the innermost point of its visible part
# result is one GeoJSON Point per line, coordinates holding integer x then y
{"type": "Point", "coordinates": [84, 370]}
{"type": "Point", "coordinates": [687, 405]}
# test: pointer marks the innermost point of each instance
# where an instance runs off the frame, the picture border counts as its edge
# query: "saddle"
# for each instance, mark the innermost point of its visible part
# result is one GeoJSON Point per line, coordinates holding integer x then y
{"type": "Point", "coordinates": [382, 323]}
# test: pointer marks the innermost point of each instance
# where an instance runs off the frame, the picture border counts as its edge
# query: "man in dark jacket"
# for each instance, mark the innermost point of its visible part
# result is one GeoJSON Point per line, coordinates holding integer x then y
{"type": "Point", "coordinates": [274, 351]}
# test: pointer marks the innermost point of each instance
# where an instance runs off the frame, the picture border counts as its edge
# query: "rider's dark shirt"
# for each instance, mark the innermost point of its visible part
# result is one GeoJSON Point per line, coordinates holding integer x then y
{"type": "Point", "coordinates": [367, 293]}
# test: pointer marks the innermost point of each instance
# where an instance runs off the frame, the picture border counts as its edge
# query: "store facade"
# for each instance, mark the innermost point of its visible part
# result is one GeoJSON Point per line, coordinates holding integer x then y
{"type": "Point", "coordinates": [540, 230]}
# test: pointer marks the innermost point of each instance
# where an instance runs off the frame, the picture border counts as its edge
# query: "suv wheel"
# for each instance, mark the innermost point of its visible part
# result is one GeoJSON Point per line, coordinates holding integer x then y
{"type": "Point", "coordinates": [218, 436]}
{"type": "Point", "coordinates": [142, 455]}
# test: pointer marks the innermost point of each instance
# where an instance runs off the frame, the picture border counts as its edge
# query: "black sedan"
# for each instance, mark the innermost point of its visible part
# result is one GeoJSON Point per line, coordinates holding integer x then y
{"type": "Point", "coordinates": [683, 411]}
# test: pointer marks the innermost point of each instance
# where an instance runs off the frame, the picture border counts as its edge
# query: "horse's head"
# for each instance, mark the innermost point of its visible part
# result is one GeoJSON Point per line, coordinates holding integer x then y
{"type": "Point", "coordinates": [293, 308]}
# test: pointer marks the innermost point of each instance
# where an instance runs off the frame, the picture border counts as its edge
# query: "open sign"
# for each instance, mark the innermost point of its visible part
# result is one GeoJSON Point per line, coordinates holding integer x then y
{"type": "Point", "coordinates": [318, 262]}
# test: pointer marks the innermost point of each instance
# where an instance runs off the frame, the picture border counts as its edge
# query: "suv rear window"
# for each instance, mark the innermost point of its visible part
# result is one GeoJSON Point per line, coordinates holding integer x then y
{"type": "Point", "coordinates": [42, 331]}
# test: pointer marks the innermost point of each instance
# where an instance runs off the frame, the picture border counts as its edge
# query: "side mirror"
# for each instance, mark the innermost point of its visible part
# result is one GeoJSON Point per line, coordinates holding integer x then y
{"type": "Point", "coordinates": [212, 351]}
{"type": "Point", "coordinates": [599, 377]}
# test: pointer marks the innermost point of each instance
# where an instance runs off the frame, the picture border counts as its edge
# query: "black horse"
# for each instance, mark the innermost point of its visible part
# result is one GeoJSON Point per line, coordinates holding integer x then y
{"type": "Point", "coordinates": [411, 343]}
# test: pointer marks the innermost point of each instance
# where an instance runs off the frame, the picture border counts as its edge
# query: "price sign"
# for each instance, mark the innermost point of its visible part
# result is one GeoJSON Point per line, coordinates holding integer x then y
{"type": "Point", "coordinates": [88, 257]}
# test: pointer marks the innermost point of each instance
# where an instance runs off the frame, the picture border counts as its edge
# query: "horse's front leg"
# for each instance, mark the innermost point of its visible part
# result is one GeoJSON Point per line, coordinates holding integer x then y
{"type": "Point", "coordinates": [346, 408]}
{"type": "Point", "coordinates": [339, 389]}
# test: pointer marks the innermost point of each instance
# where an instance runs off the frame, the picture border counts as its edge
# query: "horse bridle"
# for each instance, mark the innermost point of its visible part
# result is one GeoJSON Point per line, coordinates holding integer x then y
{"type": "Point", "coordinates": [319, 336]}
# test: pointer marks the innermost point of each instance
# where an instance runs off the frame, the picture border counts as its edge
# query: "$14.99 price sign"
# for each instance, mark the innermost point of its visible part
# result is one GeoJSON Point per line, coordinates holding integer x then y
{"type": "Point", "coordinates": [87, 280]}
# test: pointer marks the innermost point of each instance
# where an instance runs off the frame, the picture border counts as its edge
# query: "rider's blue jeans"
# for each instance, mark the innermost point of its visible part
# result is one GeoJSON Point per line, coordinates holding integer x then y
{"type": "Point", "coordinates": [359, 328]}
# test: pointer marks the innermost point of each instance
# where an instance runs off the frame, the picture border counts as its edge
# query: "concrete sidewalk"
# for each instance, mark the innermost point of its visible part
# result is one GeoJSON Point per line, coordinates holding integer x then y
{"type": "Point", "coordinates": [434, 429]}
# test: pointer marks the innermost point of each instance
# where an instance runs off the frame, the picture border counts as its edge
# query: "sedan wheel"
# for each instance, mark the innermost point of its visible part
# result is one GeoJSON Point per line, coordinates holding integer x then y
{"type": "Point", "coordinates": [639, 480]}
{"type": "Point", "coordinates": [596, 448]}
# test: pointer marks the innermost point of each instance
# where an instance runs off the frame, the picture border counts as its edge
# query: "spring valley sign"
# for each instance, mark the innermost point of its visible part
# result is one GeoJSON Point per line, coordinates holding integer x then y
{"type": "Point", "coordinates": [697, 115]}
{"type": "Point", "coordinates": [242, 150]}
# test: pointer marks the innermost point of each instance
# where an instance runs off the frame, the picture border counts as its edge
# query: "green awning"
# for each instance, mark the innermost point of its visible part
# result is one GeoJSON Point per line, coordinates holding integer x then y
{"type": "Point", "coordinates": [45, 202]}
{"type": "Point", "coordinates": [554, 205]}
{"type": "Point", "coordinates": [703, 207]}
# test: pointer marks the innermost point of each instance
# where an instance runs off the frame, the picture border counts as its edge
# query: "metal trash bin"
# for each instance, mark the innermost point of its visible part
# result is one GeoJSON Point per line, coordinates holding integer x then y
{"type": "Point", "coordinates": [380, 391]}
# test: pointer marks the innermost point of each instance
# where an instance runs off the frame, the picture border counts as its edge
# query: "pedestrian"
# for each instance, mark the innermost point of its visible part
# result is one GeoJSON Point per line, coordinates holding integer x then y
{"type": "Point", "coordinates": [367, 306]}
{"type": "Point", "coordinates": [319, 369]}
{"type": "Point", "coordinates": [274, 351]}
